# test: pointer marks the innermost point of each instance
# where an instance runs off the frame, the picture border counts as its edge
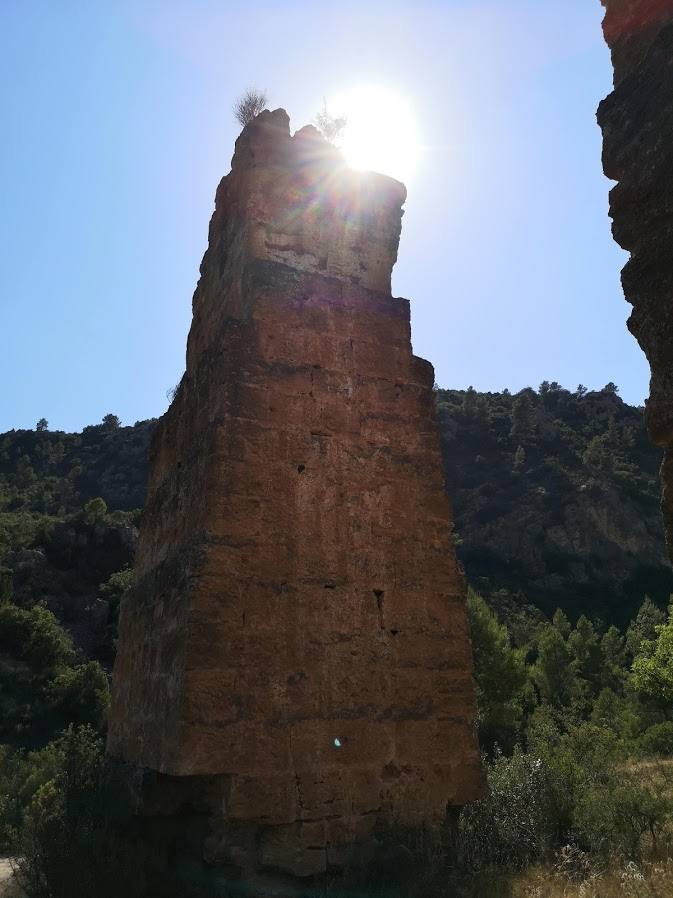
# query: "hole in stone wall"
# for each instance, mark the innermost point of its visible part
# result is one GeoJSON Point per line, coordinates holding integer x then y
{"type": "Point", "coordinates": [379, 605]}
{"type": "Point", "coordinates": [330, 584]}
{"type": "Point", "coordinates": [338, 742]}
{"type": "Point", "coordinates": [301, 469]}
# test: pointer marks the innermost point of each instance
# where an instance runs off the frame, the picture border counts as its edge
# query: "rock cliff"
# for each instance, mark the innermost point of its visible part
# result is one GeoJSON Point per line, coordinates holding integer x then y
{"type": "Point", "coordinates": [294, 655]}
{"type": "Point", "coordinates": [637, 124]}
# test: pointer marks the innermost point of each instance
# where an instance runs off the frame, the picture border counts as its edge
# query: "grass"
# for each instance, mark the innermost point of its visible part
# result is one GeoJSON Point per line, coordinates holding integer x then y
{"type": "Point", "coordinates": [653, 879]}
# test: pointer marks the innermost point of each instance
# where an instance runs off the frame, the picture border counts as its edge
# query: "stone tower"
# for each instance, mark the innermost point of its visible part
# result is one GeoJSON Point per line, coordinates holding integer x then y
{"type": "Point", "coordinates": [295, 646]}
{"type": "Point", "coordinates": [637, 124]}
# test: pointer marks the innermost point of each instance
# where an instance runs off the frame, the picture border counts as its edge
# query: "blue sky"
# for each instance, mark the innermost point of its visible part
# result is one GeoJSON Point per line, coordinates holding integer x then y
{"type": "Point", "coordinates": [117, 126]}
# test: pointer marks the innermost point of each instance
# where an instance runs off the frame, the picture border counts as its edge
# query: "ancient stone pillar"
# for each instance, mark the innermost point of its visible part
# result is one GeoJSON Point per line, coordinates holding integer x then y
{"type": "Point", "coordinates": [296, 638]}
{"type": "Point", "coordinates": [637, 124]}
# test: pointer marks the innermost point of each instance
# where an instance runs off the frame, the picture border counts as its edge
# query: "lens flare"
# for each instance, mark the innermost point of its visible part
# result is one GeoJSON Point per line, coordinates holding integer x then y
{"type": "Point", "coordinates": [380, 132]}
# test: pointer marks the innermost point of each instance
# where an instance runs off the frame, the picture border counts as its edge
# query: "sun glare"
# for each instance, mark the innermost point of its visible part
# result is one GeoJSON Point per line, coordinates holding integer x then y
{"type": "Point", "coordinates": [380, 133]}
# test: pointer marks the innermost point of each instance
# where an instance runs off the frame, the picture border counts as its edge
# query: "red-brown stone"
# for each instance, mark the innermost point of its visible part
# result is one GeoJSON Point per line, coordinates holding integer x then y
{"type": "Point", "coordinates": [637, 124]}
{"type": "Point", "coordinates": [297, 626]}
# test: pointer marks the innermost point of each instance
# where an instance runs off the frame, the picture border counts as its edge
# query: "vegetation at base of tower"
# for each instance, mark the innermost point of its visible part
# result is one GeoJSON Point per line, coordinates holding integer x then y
{"type": "Point", "coordinates": [578, 748]}
{"type": "Point", "coordinates": [588, 717]}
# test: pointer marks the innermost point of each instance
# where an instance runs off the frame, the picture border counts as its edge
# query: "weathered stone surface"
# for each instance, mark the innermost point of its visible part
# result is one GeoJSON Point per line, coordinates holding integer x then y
{"type": "Point", "coordinates": [298, 626]}
{"type": "Point", "coordinates": [637, 124]}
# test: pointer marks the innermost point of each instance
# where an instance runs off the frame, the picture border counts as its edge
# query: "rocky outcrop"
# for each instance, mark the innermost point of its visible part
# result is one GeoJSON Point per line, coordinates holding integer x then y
{"type": "Point", "coordinates": [294, 656]}
{"type": "Point", "coordinates": [637, 124]}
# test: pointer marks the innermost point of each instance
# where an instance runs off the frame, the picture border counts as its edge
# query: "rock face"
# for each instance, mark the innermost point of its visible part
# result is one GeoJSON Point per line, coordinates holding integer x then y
{"type": "Point", "coordinates": [637, 124]}
{"type": "Point", "coordinates": [295, 647]}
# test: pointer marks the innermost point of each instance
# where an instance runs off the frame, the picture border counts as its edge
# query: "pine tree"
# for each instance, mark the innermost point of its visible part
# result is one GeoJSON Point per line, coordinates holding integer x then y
{"type": "Point", "coordinates": [522, 419]}
{"type": "Point", "coordinates": [111, 422]}
{"type": "Point", "coordinates": [642, 631]}
{"type": "Point", "coordinates": [500, 673]}
{"type": "Point", "coordinates": [561, 623]}
{"type": "Point", "coordinates": [613, 660]}
{"type": "Point", "coordinates": [553, 672]}
{"type": "Point", "coordinates": [470, 402]}
{"type": "Point", "coordinates": [585, 647]}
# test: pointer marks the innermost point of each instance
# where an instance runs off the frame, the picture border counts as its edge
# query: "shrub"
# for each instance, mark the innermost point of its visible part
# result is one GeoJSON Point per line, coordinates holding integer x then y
{"type": "Point", "coordinates": [42, 688]}
{"type": "Point", "coordinates": [657, 740]}
{"type": "Point", "coordinates": [513, 826]}
{"type": "Point", "coordinates": [613, 820]}
{"type": "Point", "coordinates": [81, 695]}
{"type": "Point", "coordinates": [249, 105]}
{"type": "Point", "coordinates": [72, 833]}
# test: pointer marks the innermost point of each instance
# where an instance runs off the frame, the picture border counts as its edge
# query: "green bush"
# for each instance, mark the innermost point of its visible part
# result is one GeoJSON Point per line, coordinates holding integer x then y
{"type": "Point", "coordinates": [42, 687]}
{"type": "Point", "coordinates": [75, 834]}
{"type": "Point", "coordinates": [657, 740]}
{"type": "Point", "coordinates": [611, 817]}
{"type": "Point", "coordinates": [514, 825]}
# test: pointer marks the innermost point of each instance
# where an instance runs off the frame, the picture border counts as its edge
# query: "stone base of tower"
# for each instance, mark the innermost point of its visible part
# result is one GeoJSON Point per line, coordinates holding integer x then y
{"type": "Point", "coordinates": [196, 850]}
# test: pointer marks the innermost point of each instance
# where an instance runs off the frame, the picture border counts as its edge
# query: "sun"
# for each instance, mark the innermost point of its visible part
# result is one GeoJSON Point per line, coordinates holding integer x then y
{"type": "Point", "coordinates": [380, 132]}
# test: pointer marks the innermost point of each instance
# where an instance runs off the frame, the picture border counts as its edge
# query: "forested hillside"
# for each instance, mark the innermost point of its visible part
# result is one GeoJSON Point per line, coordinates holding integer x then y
{"type": "Point", "coordinates": [556, 499]}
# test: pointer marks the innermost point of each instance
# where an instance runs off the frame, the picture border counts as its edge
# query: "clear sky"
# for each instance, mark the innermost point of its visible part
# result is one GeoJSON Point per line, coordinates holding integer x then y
{"type": "Point", "coordinates": [117, 126]}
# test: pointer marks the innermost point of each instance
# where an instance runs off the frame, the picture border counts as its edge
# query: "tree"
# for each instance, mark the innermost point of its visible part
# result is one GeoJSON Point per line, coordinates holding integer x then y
{"type": "Point", "coordinates": [470, 402]}
{"type": "Point", "coordinates": [614, 712]}
{"type": "Point", "coordinates": [585, 647]}
{"type": "Point", "coordinates": [642, 630]}
{"type": "Point", "coordinates": [6, 585]}
{"type": "Point", "coordinates": [500, 674]}
{"type": "Point", "coordinates": [553, 672]}
{"type": "Point", "coordinates": [610, 388]}
{"type": "Point", "coordinates": [25, 473]}
{"type": "Point", "coordinates": [596, 455]}
{"type": "Point", "coordinates": [42, 425]}
{"type": "Point", "coordinates": [561, 623]}
{"type": "Point", "coordinates": [34, 649]}
{"type": "Point", "coordinates": [482, 411]}
{"type": "Point", "coordinates": [111, 422]}
{"type": "Point", "coordinates": [519, 457]}
{"type": "Point", "coordinates": [581, 391]}
{"type": "Point", "coordinates": [113, 591]}
{"type": "Point", "coordinates": [75, 829]}
{"type": "Point", "coordinates": [613, 660]}
{"type": "Point", "coordinates": [249, 105]}
{"type": "Point", "coordinates": [652, 673]}
{"type": "Point", "coordinates": [330, 126]}
{"type": "Point", "coordinates": [522, 418]}
{"type": "Point", "coordinates": [81, 695]}
{"type": "Point", "coordinates": [95, 509]}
